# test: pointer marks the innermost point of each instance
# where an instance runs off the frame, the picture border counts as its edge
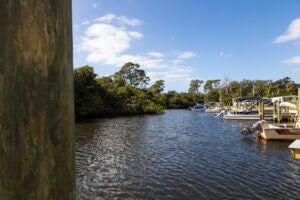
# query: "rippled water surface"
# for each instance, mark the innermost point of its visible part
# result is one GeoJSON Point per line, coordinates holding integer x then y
{"type": "Point", "coordinates": [180, 155]}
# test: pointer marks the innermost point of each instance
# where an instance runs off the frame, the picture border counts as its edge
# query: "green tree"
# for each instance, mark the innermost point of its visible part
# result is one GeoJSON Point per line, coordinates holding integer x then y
{"type": "Point", "coordinates": [212, 96]}
{"type": "Point", "coordinates": [88, 101]}
{"type": "Point", "coordinates": [208, 86]}
{"type": "Point", "coordinates": [157, 87]}
{"type": "Point", "coordinates": [195, 85]}
{"type": "Point", "coordinates": [246, 88]}
{"type": "Point", "coordinates": [235, 89]}
{"type": "Point", "coordinates": [131, 74]}
{"type": "Point", "coordinates": [291, 88]}
{"type": "Point", "coordinates": [211, 85]}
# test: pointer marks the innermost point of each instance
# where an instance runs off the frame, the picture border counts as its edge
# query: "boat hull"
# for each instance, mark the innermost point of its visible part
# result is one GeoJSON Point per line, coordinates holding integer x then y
{"type": "Point", "coordinates": [212, 110]}
{"type": "Point", "coordinates": [197, 109]}
{"type": "Point", "coordinates": [241, 117]}
{"type": "Point", "coordinates": [287, 134]}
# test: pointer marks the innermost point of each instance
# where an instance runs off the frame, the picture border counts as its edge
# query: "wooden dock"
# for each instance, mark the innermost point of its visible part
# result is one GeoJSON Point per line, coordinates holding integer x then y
{"type": "Point", "coordinates": [275, 114]}
{"type": "Point", "coordinates": [295, 149]}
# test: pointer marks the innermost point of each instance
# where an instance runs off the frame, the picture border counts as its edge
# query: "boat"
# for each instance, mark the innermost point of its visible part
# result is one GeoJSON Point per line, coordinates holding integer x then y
{"type": "Point", "coordinates": [268, 131]}
{"type": "Point", "coordinates": [214, 107]}
{"type": "Point", "coordinates": [198, 108]}
{"type": "Point", "coordinates": [244, 109]}
{"type": "Point", "coordinates": [213, 110]}
{"type": "Point", "coordinates": [235, 116]}
{"type": "Point", "coordinates": [238, 115]}
{"type": "Point", "coordinates": [288, 111]}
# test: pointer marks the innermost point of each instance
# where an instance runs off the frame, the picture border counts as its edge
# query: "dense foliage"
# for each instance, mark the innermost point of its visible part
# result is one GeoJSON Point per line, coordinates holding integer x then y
{"type": "Point", "coordinates": [126, 92]}
{"type": "Point", "coordinates": [123, 93]}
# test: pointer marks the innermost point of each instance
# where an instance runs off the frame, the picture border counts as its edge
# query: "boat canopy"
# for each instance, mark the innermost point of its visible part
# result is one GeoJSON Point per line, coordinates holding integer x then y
{"type": "Point", "coordinates": [241, 99]}
{"type": "Point", "coordinates": [287, 104]}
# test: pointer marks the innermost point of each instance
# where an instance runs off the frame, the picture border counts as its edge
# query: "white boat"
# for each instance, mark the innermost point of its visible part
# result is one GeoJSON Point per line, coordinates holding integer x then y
{"type": "Point", "coordinates": [214, 107]}
{"type": "Point", "coordinates": [244, 109]}
{"type": "Point", "coordinates": [288, 110]}
{"type": "Point", "coordinates": [234, 115]}
{"type": "Point", "coordinates": [269, 131]}
{"type": "Point", "coordinates": [213, 110]}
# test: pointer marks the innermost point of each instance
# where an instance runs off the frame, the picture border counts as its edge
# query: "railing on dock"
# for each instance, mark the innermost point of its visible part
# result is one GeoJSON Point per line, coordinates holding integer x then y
{"type": "Point", "coordinates": [275, 113]}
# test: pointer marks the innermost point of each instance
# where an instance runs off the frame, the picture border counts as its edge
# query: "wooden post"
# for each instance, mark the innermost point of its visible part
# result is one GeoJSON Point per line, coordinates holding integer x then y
{"type": "Point", "coordinates": [274, 112]}
{"type": "Point", "coordinates": [36, 100]}
{"type": "Point", "coordinates": [298, 107]}
{"type": "Point", "coordinates": [263, 110]}
{"type": "Point", "coordinates": [279, 111]}
{"type": "Point", "coordinates": [260, 111]}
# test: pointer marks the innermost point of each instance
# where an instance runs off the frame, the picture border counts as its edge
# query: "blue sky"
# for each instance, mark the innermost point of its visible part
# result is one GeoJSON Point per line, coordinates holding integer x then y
{"type": "Point", "coordinates": [181, 40]}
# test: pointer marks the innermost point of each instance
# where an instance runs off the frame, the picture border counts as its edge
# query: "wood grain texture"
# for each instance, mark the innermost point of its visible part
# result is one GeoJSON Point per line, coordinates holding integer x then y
{"type": "Point", "coordinates": [36, 100]}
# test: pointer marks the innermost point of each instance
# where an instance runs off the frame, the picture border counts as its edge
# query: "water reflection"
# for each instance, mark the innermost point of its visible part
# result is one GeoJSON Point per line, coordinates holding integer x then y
{"type": "Point", "coordinates": [180, 155]}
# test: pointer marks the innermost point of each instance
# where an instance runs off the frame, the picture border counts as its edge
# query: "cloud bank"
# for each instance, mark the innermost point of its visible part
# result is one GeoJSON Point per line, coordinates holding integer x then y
{"type": "Point", "coordinates": [292, 61]}
{"type": "Point", "coordinates": [108, 39]}
{"type": "Point", "coordinates": [292, 33]}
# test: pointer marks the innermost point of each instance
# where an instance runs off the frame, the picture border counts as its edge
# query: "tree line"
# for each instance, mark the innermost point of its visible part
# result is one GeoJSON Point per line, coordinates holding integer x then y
{"type": "Point", "coordinates": [123, 93]}
{"type": "Point", "coordinates": [225, 90]}
{"type": "Point", "coordinates": [126, 92]}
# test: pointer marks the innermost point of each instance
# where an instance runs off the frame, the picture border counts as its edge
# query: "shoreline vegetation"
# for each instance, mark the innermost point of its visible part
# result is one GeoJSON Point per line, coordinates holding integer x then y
{"type": "Point", "coordinates": [127, 92]}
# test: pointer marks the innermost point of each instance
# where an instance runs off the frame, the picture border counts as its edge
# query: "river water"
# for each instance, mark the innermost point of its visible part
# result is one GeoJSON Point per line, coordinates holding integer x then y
{"type": "Point", "coordinates": [180, 155]}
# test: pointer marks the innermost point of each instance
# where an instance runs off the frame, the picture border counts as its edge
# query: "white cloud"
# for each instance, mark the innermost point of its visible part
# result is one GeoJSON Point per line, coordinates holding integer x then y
{"type": "Point", "coordinates": [107, 43]}
{"type": "Point", "coordinates": [104, 43]}
{"type": "Point", "coordinates": [86, 22]}
{"type": "Point", "coordinates": [177, 61]}
{"type": "Point", "coordinates": [123, 20]}
{"type": "Point", "coordinates": [186, 55]}
{"type": "Point", "coordinates": [135, 34]}
{"type": "Point", "coordinates": [95, 5]}
{"type": "Point", "coordinates": [173, 74]}
{"type": "Point", "coordinates": [292, 33]}
{"type": "Point", "coordinates": [156, 54]}
{"type": "Point", "coordinates": [292, 61]}
{"type": "Point", "coordinates": [222, 54]}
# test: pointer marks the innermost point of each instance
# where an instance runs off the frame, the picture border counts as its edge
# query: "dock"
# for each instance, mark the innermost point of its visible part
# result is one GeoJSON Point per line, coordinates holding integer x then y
{"type": "Point", "coordinates": [276, 113]}
{"type": "Point", "coordinates": [295, 149]}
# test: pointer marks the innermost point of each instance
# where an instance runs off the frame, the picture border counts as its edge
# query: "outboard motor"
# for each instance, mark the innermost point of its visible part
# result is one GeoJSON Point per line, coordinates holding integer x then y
{"type": "Point", "coordinates": [249, 130]}
{"type": "Point", "coordinates": [221, 113]}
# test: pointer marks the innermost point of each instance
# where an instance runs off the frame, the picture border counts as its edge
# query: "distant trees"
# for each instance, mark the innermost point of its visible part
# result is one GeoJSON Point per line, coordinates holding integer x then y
{"type": "Point", "coordinates": [157, 87]}
{"type": "Point", "coordinates": [131, 74]}
{"type": "Point", "coordinates": [195, 85]}
{"type": "Point", "coordinates": [126, 92]}
{"type": "Point", "coordinates": [212, 90]}
{"type": "Point", "coordinates": [88, 100]}
{"type": "Point", "coordinates": [259, 88]}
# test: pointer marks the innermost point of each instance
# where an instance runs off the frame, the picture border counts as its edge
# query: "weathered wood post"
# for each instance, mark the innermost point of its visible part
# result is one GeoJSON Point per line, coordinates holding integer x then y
{"type": "Point", "coordinates": [260, 110]}
{"type": "Point", "coordinates": [298, 107]}
{"type": "Point", "coordinates": [36, 100]}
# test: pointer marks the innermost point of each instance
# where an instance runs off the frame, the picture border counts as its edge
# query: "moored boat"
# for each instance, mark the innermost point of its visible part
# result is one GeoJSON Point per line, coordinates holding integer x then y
{"type": "Point", "coordinates": [197, 108]}
{"type": "Point", "coordinates": [213, 110]}
{"type": "Point", "coordinates": [214, 107]}
{"type": "Point", "coordinates": [234, 115]}
{"type": "Point", "coordinates": [269, 131]}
